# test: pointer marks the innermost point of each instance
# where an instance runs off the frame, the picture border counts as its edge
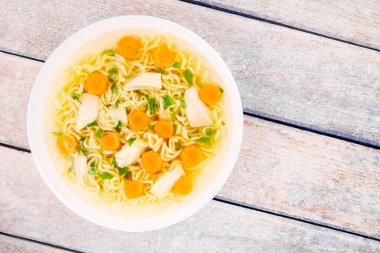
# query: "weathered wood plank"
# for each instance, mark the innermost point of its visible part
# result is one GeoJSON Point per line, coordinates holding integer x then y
{"type": "Point", "coordinates": [12, 245]}
{"type": "Point", "coordinates": [281, 169]}
{"type": "Point", "coordinates": [281, 72]}
{"type": "Point", "coordinates": [354, 21]}
{"type": "Point", "coordinates": [217, 228]}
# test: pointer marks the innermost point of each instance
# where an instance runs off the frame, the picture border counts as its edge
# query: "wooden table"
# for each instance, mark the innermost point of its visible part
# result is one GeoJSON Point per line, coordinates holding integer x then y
{"type": "Point", "coordinates": [308, 175]}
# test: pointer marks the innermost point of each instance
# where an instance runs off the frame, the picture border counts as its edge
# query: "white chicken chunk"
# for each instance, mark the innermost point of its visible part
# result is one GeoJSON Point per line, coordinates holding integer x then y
{"type": "Point", "coordinates": [165, 183]}
{"type": "Point", "coordinates": [118, 114]}
{"type": "Point", "coordinates": [128, 154]}
{"type": "Point", "coordinates": [197, 113]}
{"type": "Point", "coordinates": [80, 166]}
{"type": "Point", "coordinates": [145, 81]}
{"type": "Point", "coordinates": [88, 110]}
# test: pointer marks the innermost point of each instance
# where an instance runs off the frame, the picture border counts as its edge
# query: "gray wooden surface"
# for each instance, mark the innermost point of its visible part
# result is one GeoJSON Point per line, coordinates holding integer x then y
{"type": "Point", "coordinates": [219, 227]}
{"type": "Point", "coordinates": [282, 73]}
{"type": "Point", "coordinates": [349, 20]}
{"type": "Point", "coordinates": [331, 182]}
{"type": "Point", "coordinates": [11, 244]}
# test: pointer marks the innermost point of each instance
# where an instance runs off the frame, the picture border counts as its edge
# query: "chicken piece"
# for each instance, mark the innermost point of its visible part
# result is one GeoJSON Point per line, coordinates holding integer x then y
{"type": "Point", "coordinates": [197, 113]}
{"type": "Point", "coordinates": [165, 183]}
{"type": "Point", "coordinates": [128, 154]}
{"type": "Point", "coordinates": [88, 110]}
{"type": "Point", "coordinates": [145, 81]}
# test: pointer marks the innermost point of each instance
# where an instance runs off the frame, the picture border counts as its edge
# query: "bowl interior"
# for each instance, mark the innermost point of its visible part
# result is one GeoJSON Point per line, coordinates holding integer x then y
{"type": "Point", "coordinates": [96, 38]}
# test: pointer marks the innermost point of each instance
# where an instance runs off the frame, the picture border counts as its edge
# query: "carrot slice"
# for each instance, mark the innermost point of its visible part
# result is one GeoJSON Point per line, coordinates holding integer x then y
{"type": "Point", "coordinates": [133, 189]}
{"type": "Point", "coordinates": [183, 186]}
{"type": "Point", "coordinates": [67, 144]}
{"type": "Point", "coordinates": [210, 94]}
{"type": "Point", "coordinates": [128, 47]}
{"type": "Point", "coordinates": [96, 83]}
{"type": "Point", "coordinates": [164, 128]}
{"type": "Point", "coordinates": [138, 120]}
{"type": "Point", "coordinates": [163, 56]}
{"type": "Point", "coordinates": [110, 141]}
{"type": "Point", "coordinates": [151, 161]}
{"type": "Point", "coordinates": [191, 156]}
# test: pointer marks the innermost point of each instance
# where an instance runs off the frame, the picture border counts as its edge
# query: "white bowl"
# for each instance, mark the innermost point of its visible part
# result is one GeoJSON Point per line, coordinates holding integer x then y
{"type": "Point", "coordinates": [94, 38]}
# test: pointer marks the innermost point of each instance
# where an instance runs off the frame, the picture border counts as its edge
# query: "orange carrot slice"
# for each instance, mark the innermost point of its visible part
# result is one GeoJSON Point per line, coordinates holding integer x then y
{"type": "Point", "coordinates": [164, 128]}
{"type": "Point", "coordinates": [96, 83]}
{"type": "Point", "coordinates": [164, 57]}
{"type": "Point", "coordinates": [110, 141]}
{"type": "Point", "coordinates": [183, 186]}
{"type": "Point", "coordinates": [151, 161]}
{"type": "Point", "coordinates": [67, 144]}
{"type": "Point", "coordinates": [210, 94]}
{"type": "Point", "coordinates": [133, 189]}
{"type": "Point", "coordinates": [191, 155]}
{"type": "Point", "coordinates": [138, 120]}
{"type": "Point", "coordinates": [129, 47]}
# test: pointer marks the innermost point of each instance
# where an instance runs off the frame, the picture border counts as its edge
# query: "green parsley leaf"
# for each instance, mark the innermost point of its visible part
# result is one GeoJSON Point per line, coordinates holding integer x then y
{"type": "Point", "coordinates": [152, 105]}
{"type": "Point", "coordinates": [188, 76]}
{"type": "Point", "coordinates": [151, 127]}
{"type": "Point", "coordinates": [131, 140]}
{"type": "Point", "coordinates": [57, 133]}
{"type": "Point", "coordinates": [92, 124]}
{"type": "Point", "coordinates": [178, 146]}
{"type": "Point", "coordinates": [109, 52]}
{"type": "Point", "coordinates": [112, 71]}
{"type": "Point", "coordinates": [117, 104]}
{"type": "Point", "coordinates": [221, 90]}
{"type": "Point", "coordinates": [114, 164]}
{"type": "Point", "coordinates": [183, 103]}
{"type": "Point", "coordinates": [119, 126]}
{"type": "Point", "coordinates": [161, 71]}
{"type": "Point", "coordinates": [112, 78]}
{"type": "Point", "coordinates": [81, 147]}
{"type": "Point", "coordinates": [174, 128]}
{"type": "Point", "coordinates": [204, 139]}
{"type": "Point", "coordinates": [114, 88]}
{"type": "Point", "coordinates": [105, 175]}
{"type": "Point", "coordinates": [75, 96]}
{"type": "Point", "coordinates": [99, 133]}
{"type": "Point", "coordinates": [176, 65]}
{"type": "Point", "coordinates": [173, 115]}
{"type": "Point", "coordinates": [93, 168]}
{"type": "Point", "coordinates": [223, 123]}
{"type": "Point", "coordinates": [168, 101]}
{"type": "Point", "coordinates": [123, 171]}
{"type": "Point", "coordinates": [210, 132]}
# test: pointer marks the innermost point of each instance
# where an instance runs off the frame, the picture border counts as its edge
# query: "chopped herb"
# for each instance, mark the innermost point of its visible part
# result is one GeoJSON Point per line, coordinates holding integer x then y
{"type": "Point", "coordinates": [57, 133]}
{"type": "Point", "coordinates": [131, 140]}
{"type": "Point", "coordinates": [152, 105]}
{"type": "Point", "coordinates": [119, 126]}
{"type": "Point", "coordinates": [93, 168]}
{"type": "Point", "coordinates": [81, 147]}
{"type": "Point", "coordinates": [151, 127]}
{"type": "Point", "coordinates": [168, 101]}
{"type": "Point", "coordinates": [117, 104]}
{"type": "Point", "coordinates": [183, 103]}
{"type": "Point", "coordinates": [114, 88]}
{"type": "Point", "coordinates": [173, 115]}
{"type": "Point", "coordinates": [221, 90]}
{"type": "Point", "coordinates": [223, 123]}
{"type": "Point", "coordinates": [109, 52]}
{"type": "Point", "coordinates": [176, 65]}
{"type": "Point", "coordinates": [123, 171]}
{"type": "Point", "coordinates": [75, 96]}
{"type": "Point", "coordinates": [105, 175]}
{"type": "Point", "coordinates": [112, 78]}
{"type": "Point", "coordinates": [204, 139]}
{"type": "Point", "coordinates": [114, 164]}
{"type": "Point", "coordinates": [178, 146]}
{"type": "Point", "coordinates": [112, 71]}
{"type": "Point", "coordinates": [175, 128]}
{"type": "Point", "coordinates": [99, 133]}
{"type": "Point", "coordinates": [161, 71]}
{"type": "Point", "coordinates": [188, 76]}
{"type": "Point", "coordinates": [210, 132]}
{"type": "Point", "coordinates": [92, 124]}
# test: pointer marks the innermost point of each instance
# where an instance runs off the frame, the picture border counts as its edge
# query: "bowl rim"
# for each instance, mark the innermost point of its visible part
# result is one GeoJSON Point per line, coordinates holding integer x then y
{"type": "Point", "coordinates": [43, 162]}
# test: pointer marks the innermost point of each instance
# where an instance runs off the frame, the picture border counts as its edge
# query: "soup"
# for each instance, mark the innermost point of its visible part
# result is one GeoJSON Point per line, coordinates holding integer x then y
{"type": "Point", "coordinates": [138, 122]}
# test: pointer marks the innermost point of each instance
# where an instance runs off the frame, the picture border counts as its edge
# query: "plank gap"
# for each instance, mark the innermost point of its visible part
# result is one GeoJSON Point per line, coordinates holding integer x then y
{"type": "Point", "coordinates": [248, 14]}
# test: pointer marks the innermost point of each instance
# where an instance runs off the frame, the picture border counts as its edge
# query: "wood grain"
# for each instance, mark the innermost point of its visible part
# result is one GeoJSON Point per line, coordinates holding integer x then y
{"type": "Point", "coordinates": [354, 21]}
{"type": "Point", "coordinates": [14, 245]}
{"type": "Point", "coordinates": [280, 169]}
{"type": "Point", "coordinates": [216, 228]}
{"type": "Point", "coordinates": [283, 73]}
